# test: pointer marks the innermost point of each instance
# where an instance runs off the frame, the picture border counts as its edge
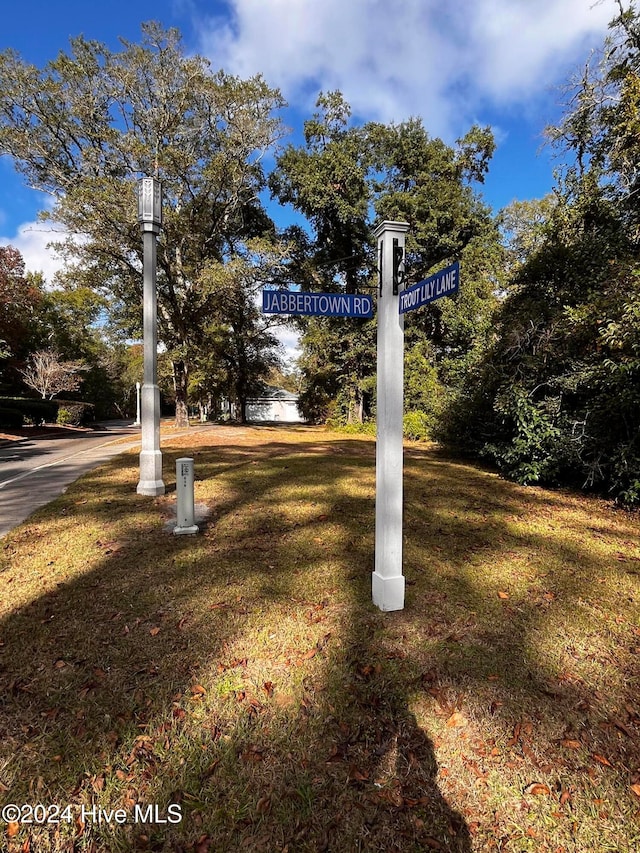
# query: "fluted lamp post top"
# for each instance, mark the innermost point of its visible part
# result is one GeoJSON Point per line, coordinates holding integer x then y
{"type": "Point", "coordinates": [150, 204]}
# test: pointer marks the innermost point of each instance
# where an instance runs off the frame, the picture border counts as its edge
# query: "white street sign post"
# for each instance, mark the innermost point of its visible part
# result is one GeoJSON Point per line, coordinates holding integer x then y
{"type": "Point", "coordinates": [150, 219]}
{"type": "Point", "coordinates": [387, 579]}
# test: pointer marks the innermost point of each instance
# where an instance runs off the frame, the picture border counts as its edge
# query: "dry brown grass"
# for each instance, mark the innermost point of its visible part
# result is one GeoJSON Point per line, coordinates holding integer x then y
{"type": "Point", "coordinates": [244, 674]}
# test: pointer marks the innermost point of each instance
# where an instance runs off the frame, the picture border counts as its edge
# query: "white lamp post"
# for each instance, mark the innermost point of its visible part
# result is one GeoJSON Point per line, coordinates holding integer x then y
{"type": "Point", "coordinates": [150, 219]}
{"type": "Point", "coordinates": [137, 420]}
{"type": "Point", "coordinates": [387, 578]}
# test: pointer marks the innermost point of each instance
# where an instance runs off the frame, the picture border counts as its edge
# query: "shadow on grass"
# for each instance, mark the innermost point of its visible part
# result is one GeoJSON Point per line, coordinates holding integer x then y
{"type": "Point", "coordinates": [244, 674]}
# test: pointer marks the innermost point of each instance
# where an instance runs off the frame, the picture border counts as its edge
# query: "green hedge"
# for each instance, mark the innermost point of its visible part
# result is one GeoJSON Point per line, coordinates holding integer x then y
{"type": "Point", "coordinates": [10, 418]}
{"type": "Point", "coordinates": [34, 411]}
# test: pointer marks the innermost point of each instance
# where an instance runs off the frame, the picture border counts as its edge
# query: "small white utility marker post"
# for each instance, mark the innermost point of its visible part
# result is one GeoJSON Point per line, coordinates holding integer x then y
{"type": "Point", "coordinates": [387, 578]}
{"type": "Point", "coordinates": [150, 219]}
{"type": "Point", "coordinates": [185, 513]}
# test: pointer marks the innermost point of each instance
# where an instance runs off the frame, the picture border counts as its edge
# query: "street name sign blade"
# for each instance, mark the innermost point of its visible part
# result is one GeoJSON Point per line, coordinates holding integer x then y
{"type": "Point", "coordinates": [443, 283]}
{"type": "Point", "coordinates": [317, 304]}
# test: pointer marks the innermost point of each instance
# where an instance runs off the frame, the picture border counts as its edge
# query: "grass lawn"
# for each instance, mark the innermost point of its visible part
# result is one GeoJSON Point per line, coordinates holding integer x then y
{"type": "Point", "coordinates": [243, 679]}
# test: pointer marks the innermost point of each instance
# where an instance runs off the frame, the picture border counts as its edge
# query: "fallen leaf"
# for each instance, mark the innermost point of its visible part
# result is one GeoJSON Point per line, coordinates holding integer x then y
{"type": "Point", "coordinates": [155, 631]}
{"type": "Point", "coordinates": [337, 754]}
{"type": "Point", "coordinates": [623, 728]}
{"type": "Point", "coordinates": [516, 735]}
{"type": "Point", "coordinates": [268, 688]}
{"type": "Point", "coordinates": [13, 828]}
{"type": "Point", "coordinates": [570, 743]}
{"type": "Point", "coordinates": [537, 788]}
{"type": "Point", "coordinates": [636, 789]}
{"type": "Point", "coordinates": [203, 844]}
{"type": "Point", "coordinates": [357, 775]}
{"type": "Point", "coordinates": [211, 768]}
{"type": "Point", "coordinates": [411, 802]}
{"type": "Point", "coordinates": [253, 754]}
{"type": "Point", "coordinates": [198, 690]}
{"type": "Point", "coordinates": [503, 595]}
{"type": "Point", "coordinates": [601, 760]}
{"type": "Point", "coordinates": [457, 720]}
{"type": "Point", "coordinates": [264, 805]}
{"type": "Point", "coordinates": [530, 754]}
{"type": "Point", "coordinates": [391, 796]}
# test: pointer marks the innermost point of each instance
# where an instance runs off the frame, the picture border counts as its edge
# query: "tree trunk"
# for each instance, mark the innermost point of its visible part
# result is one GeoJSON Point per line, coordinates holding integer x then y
{"type": "Point", "coordinates": [180, 381]}
{"type": "Point", "coordinates": [355, 411]}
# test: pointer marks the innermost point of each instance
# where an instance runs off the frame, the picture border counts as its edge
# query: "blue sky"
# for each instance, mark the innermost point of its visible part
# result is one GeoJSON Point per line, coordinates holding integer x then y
{"type": "Point", "coordinates": [497, 62]}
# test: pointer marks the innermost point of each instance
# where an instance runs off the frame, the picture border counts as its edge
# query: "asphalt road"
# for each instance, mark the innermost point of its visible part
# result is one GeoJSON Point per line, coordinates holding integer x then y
{"type": "Point", "coordinates": [35, 471]}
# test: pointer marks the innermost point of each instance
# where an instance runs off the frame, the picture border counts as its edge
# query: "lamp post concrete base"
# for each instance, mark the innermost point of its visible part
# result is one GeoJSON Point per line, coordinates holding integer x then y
{"type": "Point", "coordinates": [151, 482]}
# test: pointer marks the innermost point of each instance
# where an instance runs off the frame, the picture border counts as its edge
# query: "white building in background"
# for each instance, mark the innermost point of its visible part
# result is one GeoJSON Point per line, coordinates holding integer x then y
{"type": "Point", "coordinates": [274, 404]}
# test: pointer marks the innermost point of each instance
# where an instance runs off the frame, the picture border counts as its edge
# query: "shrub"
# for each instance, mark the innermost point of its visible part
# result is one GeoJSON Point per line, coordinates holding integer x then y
{"type": "Point", "coordinates": [74, 414]}
{"type": "Point", "coordinates": [366, 428]}
{"type": "Point", "coordinates": [417, 426]}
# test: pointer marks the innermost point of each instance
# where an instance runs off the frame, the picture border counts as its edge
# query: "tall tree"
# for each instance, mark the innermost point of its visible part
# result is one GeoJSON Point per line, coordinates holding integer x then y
{"type": "Point", "coordinates": [20, 299]}
{"type": "Point", "coordinates": [239, 338]}
{"type": "Point", "coordinates": [341, 180]}
{"type": "Point", "coordinates": [91, 122]}
{"type": "Point", "coordinates": [49, 375]}
{"type": "Point", "coordinates": [556, 398]}
{"type": "Point", "coordinates": [328, 181]}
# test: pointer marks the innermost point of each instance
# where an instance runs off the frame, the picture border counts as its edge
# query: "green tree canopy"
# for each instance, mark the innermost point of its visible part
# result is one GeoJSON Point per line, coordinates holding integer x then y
{"type": "Point", "coordinates": [556, 397]}
{"type": "Point", "coordinates": [20, 297]}
{"type": "Point", "coordinates": [343, 179]}
{"type": "Point", "coordinates": [91, 122]}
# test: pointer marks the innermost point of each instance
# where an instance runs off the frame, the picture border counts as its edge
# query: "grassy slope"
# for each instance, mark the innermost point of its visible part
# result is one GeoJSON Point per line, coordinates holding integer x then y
{"type": "Point", "coordinates": [244, 673]}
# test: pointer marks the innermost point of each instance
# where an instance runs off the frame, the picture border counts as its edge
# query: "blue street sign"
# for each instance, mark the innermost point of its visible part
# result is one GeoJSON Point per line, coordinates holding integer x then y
{"type": "Point", "coordinates": [442, 283]}
{"type": "Point", "coordinates": [316, 304]}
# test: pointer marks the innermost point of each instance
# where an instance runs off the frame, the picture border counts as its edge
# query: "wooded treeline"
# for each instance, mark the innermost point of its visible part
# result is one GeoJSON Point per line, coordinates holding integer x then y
{"type": "Point", "coordinates": [534, 365]}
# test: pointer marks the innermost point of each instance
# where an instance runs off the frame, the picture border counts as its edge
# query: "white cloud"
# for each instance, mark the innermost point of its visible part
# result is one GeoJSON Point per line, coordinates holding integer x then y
{"type": "Point", "coordinates": [393, 60]}
{"type": "Point", "coordinates": [521, 46]}
{"type": "Point", "coordinates": [290, 340]}
{"type": "Point", "coordinates": [31, 240]}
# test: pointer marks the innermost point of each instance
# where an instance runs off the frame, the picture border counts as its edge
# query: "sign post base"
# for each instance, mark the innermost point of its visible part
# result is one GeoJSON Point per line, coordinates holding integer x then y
{"type": "Point", "coordinates": [387, 593]}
